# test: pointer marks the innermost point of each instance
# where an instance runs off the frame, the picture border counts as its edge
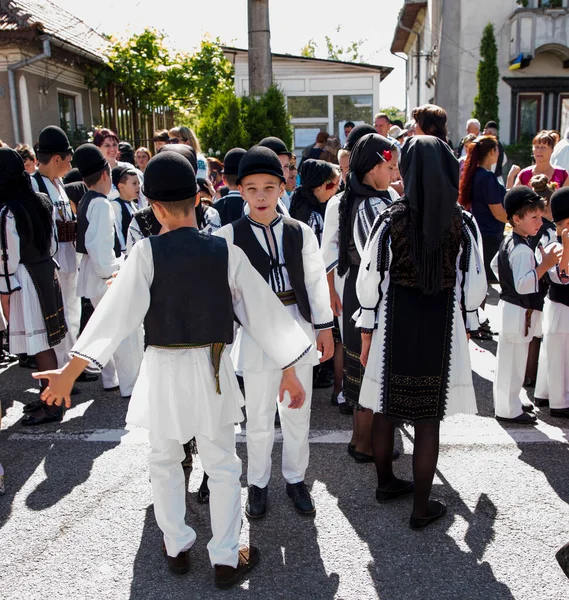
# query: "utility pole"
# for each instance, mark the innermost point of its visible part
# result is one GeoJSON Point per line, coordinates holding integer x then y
{"type": "Point", "coordinates": [260, 63]}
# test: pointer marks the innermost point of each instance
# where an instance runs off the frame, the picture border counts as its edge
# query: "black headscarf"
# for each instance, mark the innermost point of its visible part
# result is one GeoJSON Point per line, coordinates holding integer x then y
{"type": "Point", "coordinates": [313, 173]}
{"type": "Point", "coordinates": [32, 212]}
{"type": "Point", "coordinates": [366, 153]}
{"type": "Point", "coordinates": [430, 174]}
{"type": "Point", "coordinates": [357, 132]}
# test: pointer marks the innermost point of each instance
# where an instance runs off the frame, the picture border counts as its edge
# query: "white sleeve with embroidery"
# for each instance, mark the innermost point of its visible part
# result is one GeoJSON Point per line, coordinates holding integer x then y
{"type": "Point", "coordinates": [9, 252]}
{"type": "Point", "coordinates": [262, 314]}
{"type": "Point", "coordinates": [370, 278]}
{"type": "Point", "coordinates": [121, 310]}
{"type": "Point", "coordinates": [315, 281]}
{"type": "Point", "coordinates": [100, 238]}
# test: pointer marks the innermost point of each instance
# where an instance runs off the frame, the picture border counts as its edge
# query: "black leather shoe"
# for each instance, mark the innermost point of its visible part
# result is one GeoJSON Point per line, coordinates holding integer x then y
{"type": "Point", "coordinates": [396, 489]}
{"type": "Point", "coordinates": [203, 492]}
{"type": "Point", "coordinates": [562, 556]}
{"type": "Point", "coordinates": [27, 362]}
{"type": "Point", "coordinates": [560, 413]}
{"type": "Point", "coordinates": [351, 449]}
{"type": "Point", "coordinates": [540, 402]}
{"type": "Point", "coordinates": [43, 415]}
{"type": "Point", "coordinates": [33, 405]}
{"type": "Point", "coordinates": [179, 565]}
{"type": "Point", "coordinates": [523, 419]}
{"type": "Point", "coordinates": [301, 498]}
{"type": "Point", "coordinates": [87, 377]}
{"type": "Point", "coordinates": [334, 399]}
{"type": "Point", "coordinates": [437, 510]}
{"type": "Point", "coordinates": [256, 506]}
{"type": "Point", "coordinates": [226, 576]}
{"type": "Point", "coordinates": [528, 407]}
{"type": "Point", "coordinates": [360, 457]}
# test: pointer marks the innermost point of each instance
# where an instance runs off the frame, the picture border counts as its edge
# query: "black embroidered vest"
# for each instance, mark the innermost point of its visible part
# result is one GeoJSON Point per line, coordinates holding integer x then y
{"type": "Point", "coordinates": [83, 224]}
{"type": "Point", "coordinates": [125, 217]}
{"type": "Point", "coordinates": [190, 299]}
{"type": "Point", "coordinates": [506, 277]}
{"type": "Point", "coordinates": [147, 222]}
{"type": "Point", "coordinates": [293, 241]}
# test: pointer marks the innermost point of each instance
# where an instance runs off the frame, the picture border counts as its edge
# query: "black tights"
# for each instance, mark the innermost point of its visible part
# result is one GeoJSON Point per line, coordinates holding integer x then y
{"type": "Point", "coordinates": [46, 361]}
{"type": "Point", "coordinates": [425, 457]}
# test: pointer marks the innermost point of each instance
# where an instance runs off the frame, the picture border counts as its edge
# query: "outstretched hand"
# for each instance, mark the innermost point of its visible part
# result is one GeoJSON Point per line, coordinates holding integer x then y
{"type": "Point", "coordinates": [291, 384]}
{"type": "Point", "coordinates": [59, 387]}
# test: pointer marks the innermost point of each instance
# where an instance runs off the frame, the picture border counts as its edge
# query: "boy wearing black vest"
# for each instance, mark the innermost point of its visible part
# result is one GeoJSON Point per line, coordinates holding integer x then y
{"type": "Point", "coordinates": [521, 300]}
{"type": "Point", "coordinates": [230, 207]}
{"type": "Point", "coordinates": [554, 361]}
{"type": "Point", "coordinates": [285, 252]}
{"type": "Point", "coordinates": [54, 161]}
{"type": "Point", "coordinates": [125, 179]}
{"type": "Point", "coordinates": [187, 386]}
{"type": "Point", "coordinates": [99, 245]}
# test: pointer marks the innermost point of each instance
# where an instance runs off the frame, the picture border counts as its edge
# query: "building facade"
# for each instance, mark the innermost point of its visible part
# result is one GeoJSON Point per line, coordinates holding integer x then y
{"type": "Point", "coordinates": [44, 51]}
{"type": "Point", "coordinates": [441, 40]}
{"type": "Point", "coordinates": [321, 94]}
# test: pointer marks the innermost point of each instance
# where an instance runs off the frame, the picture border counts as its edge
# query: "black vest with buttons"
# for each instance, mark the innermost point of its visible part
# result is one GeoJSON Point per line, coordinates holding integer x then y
{"type": "Point", "coordinates": [506, 277]}
{"type": "Point", "coordinates": [126, 217]}
{"type": "Point", "coordinates": [83, 224]}
{"type": "Point", "coordinates": [190, 298]}
{"type": "Point", "coordinates": [293, 242]}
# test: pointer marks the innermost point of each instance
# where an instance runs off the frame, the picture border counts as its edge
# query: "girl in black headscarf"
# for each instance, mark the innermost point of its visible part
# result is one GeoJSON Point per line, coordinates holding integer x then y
{"type": "Point", "coordinates": [29, 287]}
{"type": "Point", "coordinates": [373, 159]}
{"type": "Point", "coordinates": [421, 273]}
{"type": "Point", "coordinates": [319, 181]}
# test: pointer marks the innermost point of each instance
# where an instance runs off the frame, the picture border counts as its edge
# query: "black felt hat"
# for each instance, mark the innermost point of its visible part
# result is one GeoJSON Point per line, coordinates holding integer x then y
{"type": "Point", "coordinates": [559, 204]}
{"type": "Point", "coordinates": [358, 132]}
{"type": "Point", "coordinates": [232, 160]}
{"type": "Point", "coordinates": [72, 176]}
{"type": "Point", "coordinates": [89, 160]}
{"type": "Point", "coordinates": [118, 172]}
{"type": "Point", "coordinates": [53, 140]}
{"type": "Point", "coordinates": [260, 159]}
{"type": "Point", "coordinates": [276, 145]}
{"type": "Point", "coordinates": [519, 196]}
{"type": "Point", "coordinates": [169, 177]}
{"type": "Point", "coordinates": [186, 151]}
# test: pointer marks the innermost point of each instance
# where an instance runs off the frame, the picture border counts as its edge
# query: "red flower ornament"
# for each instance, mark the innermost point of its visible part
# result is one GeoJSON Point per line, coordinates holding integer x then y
{"type": "Point", "coordinates": [387, 156]}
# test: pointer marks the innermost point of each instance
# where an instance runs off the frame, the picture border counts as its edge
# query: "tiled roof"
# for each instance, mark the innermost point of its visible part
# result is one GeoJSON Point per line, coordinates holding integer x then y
{"type": "Point", "coordinates": [20, 15]}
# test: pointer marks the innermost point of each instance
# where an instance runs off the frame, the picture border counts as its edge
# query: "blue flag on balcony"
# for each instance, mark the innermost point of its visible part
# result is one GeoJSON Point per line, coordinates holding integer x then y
{"type": "Point", "coordinates": [521, 62]}
{"type": "Point", "coordinates": [517, 62]}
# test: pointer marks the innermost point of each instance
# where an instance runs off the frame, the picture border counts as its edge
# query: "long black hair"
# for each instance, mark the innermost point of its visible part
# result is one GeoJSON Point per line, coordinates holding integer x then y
{"type": "Point", "coordinates": [32, 212]}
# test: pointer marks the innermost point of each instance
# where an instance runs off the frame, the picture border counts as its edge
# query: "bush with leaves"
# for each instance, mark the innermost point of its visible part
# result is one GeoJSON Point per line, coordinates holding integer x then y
{"type": "Point", "coordinates": [230, 122]}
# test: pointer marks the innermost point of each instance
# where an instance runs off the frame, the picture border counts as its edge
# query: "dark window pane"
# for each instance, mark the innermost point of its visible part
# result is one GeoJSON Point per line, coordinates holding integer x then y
{"type": "Point", "coordinates": [308, 107]}
{"type": "Point", "coordinates": [352, 108]}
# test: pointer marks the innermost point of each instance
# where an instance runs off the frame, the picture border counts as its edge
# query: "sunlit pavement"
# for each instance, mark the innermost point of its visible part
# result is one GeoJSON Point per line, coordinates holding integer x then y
{"type": "Point", "coordinates": [77, 520]}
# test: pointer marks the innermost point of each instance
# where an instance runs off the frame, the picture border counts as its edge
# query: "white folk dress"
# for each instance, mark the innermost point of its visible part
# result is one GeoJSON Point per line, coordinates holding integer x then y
{"type": "Point", "coordinates": [175, 394]}
{"type": "Point", "coordinates": [372, 286]}
{"type": "Point", "coordinates": [28, 333]}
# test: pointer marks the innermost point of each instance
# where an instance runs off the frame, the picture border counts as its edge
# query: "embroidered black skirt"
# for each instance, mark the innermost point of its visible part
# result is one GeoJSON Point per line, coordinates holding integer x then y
{"type": "Point", "coordinates": [352, 342]}
{"type": "Point", "coordinates": [418, 337]}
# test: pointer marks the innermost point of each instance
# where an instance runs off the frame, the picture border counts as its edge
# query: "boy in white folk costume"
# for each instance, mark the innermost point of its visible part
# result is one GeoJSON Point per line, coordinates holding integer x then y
{"type": "Point", "coordinates": [554, 359]}
{"type": "Point", "coordinates": [54, 159]}
{"type": "Point", "coordinates": [187, 386]}
{"type": "Point", "coordinates": [99, 244]}
{"type": "Point", "coordinates": [285, 252]}
{"type": "Point", "coordinates": [521, 300]}
{"type": "Point", "coordinates": [125, 179]}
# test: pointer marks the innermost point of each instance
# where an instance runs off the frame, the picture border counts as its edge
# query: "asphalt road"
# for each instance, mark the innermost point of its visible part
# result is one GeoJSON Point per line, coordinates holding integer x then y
{"type": "Point", "coordinates": [77, 523]}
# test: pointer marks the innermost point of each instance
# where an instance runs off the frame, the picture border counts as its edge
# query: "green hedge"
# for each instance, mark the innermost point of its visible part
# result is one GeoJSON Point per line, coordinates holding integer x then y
{"type": "Point", "coordinates": [229, 122]}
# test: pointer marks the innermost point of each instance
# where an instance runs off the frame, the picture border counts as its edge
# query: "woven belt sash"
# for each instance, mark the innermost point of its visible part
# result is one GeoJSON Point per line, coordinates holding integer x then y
{"type": "Point", "coordinates": [287, 298]}
{"type": "Point", "coordinates": [216, 351]}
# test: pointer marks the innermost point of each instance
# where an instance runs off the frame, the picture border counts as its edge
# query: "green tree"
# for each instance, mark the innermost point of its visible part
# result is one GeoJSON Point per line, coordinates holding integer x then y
{"type": "Point", "coordinates": [221, 126]}
{"type": "Point", "coordinates": [149, 75]}
{"type": "Point", "coordinates": [487, 102]}
{"type": "Point", "coordinates": [394, 113]}
{"type": "Point", "coordinates": [230, 122]}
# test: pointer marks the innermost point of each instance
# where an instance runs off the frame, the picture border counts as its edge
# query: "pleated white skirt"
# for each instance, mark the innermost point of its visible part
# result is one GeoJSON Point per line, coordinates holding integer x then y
{"type": "Point", "coordinates": [27, 326]}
